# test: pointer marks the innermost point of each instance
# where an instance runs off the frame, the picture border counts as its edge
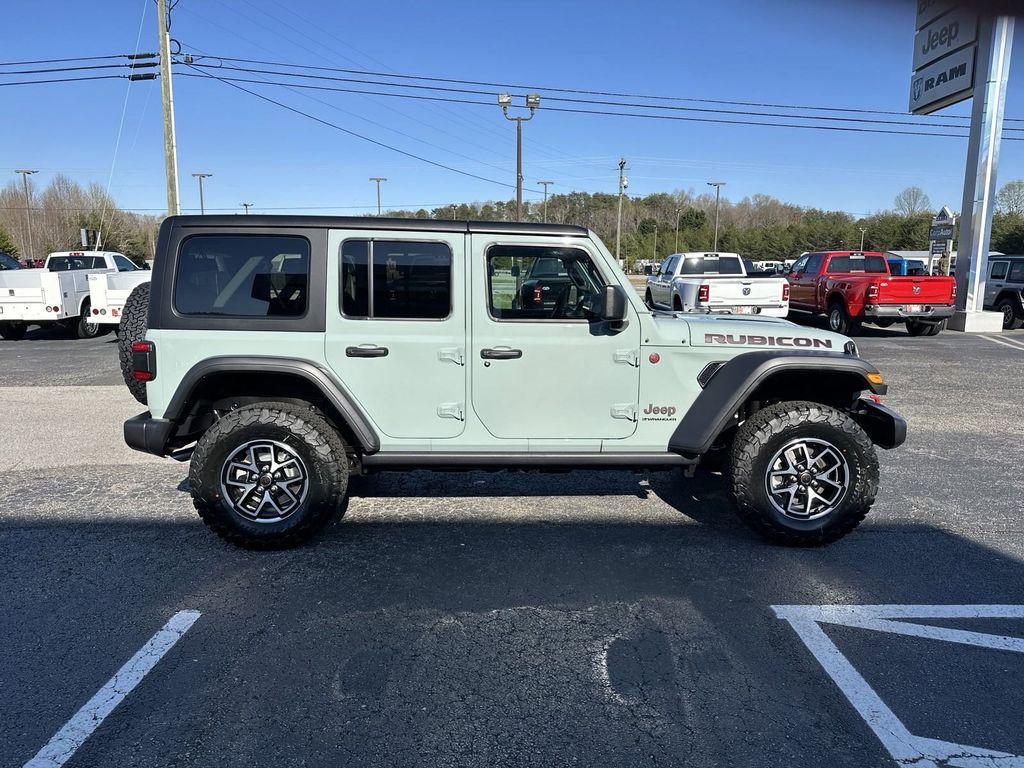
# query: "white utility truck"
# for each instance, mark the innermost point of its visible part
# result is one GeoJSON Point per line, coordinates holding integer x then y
{"type": "Point", "coordinates": [716, 282]}
{"type": "Point", "coordinates": [58, 293]}
{"type": "Point", "coordinates": [108, 291]}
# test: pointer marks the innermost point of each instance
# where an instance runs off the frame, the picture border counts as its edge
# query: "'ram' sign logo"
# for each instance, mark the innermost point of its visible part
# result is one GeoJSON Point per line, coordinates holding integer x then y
{"type": "Point", "coordinates": [752, 340]}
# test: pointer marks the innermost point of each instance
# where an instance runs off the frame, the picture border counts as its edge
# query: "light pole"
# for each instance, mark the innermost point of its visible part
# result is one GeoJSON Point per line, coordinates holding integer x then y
{"type": "Point", "coordinates": [545, 185]}
{"type": "Point", "coordinates": [532, 102]}
{"type": "Point", "coordinates": [202, 204]}
{"type": "Point", "coordinates": [718, 196]}
{"type": "Point", "coordinates": [247, 206]}
{"type": "Point", "coordinates": [623, 183]}
{"type": "Point", "coordinates": [679, 212]}
{"type": "Point", "coordinates": [28, 213]}
{"type": "Point", "coordinates": [862, 239]}
{"type": "Point", "coordinates": [378, 179]}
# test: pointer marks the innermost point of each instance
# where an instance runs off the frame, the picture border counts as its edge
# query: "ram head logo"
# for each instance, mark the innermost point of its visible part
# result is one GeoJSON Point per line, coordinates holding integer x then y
{"type": "Point", "coordinates": [917, 289]}
{"type": "Point", "coordinates": [746, 291]}
{"type": "Point", "coordinates": [917, 88]}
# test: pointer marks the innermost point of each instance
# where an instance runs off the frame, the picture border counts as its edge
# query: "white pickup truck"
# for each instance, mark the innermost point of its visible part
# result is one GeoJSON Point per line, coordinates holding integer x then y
{"type": "Point", "coordinates": [716, 282]}
{"type": "Point", "coordinates": [58, 293]}
{"type": "Point", "coordinates": [108, 291]}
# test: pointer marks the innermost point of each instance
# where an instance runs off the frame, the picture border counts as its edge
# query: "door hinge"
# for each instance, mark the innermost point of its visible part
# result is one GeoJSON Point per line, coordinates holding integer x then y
{"type": "Point", "coordinates": [451, 355]}
{"type": "Point", "coordinates": [450, 411]}
{"type": "Point", "coordinates": [627, 356]}
{"type": "Point", "coordinates": [624, 411]}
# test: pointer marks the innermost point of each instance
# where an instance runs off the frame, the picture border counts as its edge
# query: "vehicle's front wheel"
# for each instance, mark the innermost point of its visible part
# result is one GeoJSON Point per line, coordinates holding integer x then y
{"type": "Point", "coordinates": [268, 475]}
{"type": "Point", "coordinates": [803, 474]}
{"type": "Point", "coordinates": [1012, 320]}
{"type": "Point", "coordinates": [13, 331]}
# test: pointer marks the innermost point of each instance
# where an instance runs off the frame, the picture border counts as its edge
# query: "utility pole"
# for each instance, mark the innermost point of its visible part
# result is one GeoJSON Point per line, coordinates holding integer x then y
{"type": "Point", "coordinates": [247, 206]}
{"type": "Point", "coordinates": [718, 196]}
{"type": "Point", "coordinates": [378, 179]}
{"type": "Point", "coordinates": [679, 212]}
{"type": "Point", "coordinates": [655, 242]}
{"type": "Point", "coordinates": [532, 102]}
{"type": "Point", "coordinates": [545, 185]}
{"type": "Point", "coordinates": [170, 144]}
{"type": "Point", "coordinates": [862, 233]}
{"type": "Point", "coordinates": [202, 204]}
{"type": "Point", "coordinates": [27, 244]}
{"type": "Point", "coordinates": [623, 183]}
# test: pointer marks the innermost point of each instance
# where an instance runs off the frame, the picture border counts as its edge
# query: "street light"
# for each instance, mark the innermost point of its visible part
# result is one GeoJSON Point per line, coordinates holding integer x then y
{"type": "Point", "coordinates": [718, 196]}
{"type": "Point", "coordinates": [378, 179]}
{"type": "Point", "coordinates": [201, 176]}
{"type": "Point", "coordinates": [28, 213]}
{"type": "Point", "coordinates": [679, 212]}
{"type": "Point", "coordinates": [862, 231]}
{"type": "Point", "coordinates": [247, 206]}
{"type": "Point", "coordinates": [532, 103]}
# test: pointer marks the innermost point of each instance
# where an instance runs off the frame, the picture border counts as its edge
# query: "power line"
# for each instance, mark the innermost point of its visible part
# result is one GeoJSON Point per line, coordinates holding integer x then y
{"type": "Point", "coordinates": [65, 80]}
{"type": "Point", "coordinates": [361, 136]}
{"type": "Point", "coordinates": [589, 92]}
{"type": "Point", "coordinates": [608, 113]}
{"type": "Point", "coordinates": [72, 69]}
{"type": "Point", "coordinates": [61, 61]}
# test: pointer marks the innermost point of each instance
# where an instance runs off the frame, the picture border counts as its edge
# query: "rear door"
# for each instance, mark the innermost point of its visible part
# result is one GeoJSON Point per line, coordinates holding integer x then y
{"type": "Point", "coordinates": [998, 271]}
{"type": "Point", "coordinates": [396, 328]}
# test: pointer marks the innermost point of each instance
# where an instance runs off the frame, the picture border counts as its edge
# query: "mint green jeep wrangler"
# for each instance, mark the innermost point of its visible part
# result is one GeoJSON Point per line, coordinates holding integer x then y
{"type": "Point", "coordinates": [282, 355]}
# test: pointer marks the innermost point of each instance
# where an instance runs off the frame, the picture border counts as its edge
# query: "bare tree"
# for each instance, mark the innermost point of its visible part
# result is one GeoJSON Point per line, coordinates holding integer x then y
{"type": "Point", "coordinates": [1011, 198]}
{"type": "Point", "coordinates": [912, 201]}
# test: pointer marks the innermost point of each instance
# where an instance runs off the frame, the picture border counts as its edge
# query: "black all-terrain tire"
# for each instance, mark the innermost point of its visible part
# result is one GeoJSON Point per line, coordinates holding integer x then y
{"type": "Point", "coordinates": [13, 331]}
{"type": "Point", "coordinates": [648, 299]}
{"type": "Point", "coordinates": [935, 329]}
{"type": "Point", "coordinates": [839, 320]}
{"type": "Point", "coordinates": [312, 439]}
{"type": "Point", "coordinates": [1012, 319]}
{"type": "Point", "coordinates": [764, 434]}
{"type": "Point", "coordinates": [83, 327]}
{"type": "Point", "coordinates": [134, 324]}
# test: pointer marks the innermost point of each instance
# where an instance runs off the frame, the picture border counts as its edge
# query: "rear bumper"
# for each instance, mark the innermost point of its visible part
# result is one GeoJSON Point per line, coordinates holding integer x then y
{"type": "Point", "coordinates": [900, 312]}
{"type": "Point", "coordinates": [28, 313]}
{"type": "Point", "coordinates": [149, 435]}
{"type": "Point", "coordinates": [776, 310]}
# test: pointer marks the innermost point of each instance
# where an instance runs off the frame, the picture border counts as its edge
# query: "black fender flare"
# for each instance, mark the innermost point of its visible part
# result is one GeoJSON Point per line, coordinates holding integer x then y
{"type": "Point", "coordinates": [1013, 296]}
{"type": "Point", "coordinates": [319, 377]}
{"type": "Point", "coordinates": [734, 382]}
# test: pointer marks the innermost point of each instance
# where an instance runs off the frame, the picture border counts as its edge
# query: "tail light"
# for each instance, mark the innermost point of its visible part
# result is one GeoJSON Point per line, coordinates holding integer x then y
{"type": "Point", "coordinates": [538, 297]}
{"type": "Point", "coordinates": [785, 291]}
{"type": "Point", "coordinates": [95, 311]}
{"type": "Point", "coordinates": [56, 309]}
{"type": "Point", "coordinates": [954, 291]}
{"type": "Point", "coordinates": [872, 292]}
{"type": "Point", "coordinates": [704, 293]}
{"type": "Point", "coordinates": [143, 360]}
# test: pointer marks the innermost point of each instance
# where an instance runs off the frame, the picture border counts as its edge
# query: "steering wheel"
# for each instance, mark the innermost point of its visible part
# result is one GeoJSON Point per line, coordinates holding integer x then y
{"type": "Point", "coordinates": [568, 296]}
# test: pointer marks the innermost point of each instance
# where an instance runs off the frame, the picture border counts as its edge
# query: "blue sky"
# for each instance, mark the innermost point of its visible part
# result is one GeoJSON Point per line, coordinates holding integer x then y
{"type": "Point", "coordinates": [825, 53]}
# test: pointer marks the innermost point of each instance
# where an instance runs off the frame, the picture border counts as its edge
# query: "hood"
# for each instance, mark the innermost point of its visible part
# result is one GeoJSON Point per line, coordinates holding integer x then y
{"type": "Point", "coordinates": [739, 331]}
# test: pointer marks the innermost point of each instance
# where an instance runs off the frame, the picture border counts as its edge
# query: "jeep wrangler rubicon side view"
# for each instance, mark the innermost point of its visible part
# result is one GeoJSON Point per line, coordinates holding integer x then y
{"type": "Point", "coordinates": [282, 355]}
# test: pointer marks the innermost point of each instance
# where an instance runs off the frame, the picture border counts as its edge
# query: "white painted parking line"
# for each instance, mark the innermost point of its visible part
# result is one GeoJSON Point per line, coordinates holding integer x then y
{"type": "Point", "coordinates": [1011, 343]}
{"type": "Point", "coordinates": [68, 739]}
{"type": "Point", "coordinates": [905, 747]}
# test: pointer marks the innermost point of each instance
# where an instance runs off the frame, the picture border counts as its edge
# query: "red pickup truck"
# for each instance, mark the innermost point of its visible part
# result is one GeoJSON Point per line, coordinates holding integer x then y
{"type": "Point", "coordinates": [854, 287]}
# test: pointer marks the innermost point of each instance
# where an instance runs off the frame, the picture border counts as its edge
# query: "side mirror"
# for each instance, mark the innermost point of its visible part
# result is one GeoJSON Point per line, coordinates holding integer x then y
{"type": "Point", "coordinates": [613, 305]}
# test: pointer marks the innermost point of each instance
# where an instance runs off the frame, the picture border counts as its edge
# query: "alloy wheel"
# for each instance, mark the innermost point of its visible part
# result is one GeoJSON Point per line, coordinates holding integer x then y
{"type": "Point", "coordinates": [264, 481]}
{"type": "Point", "coordinates": [807, 479]}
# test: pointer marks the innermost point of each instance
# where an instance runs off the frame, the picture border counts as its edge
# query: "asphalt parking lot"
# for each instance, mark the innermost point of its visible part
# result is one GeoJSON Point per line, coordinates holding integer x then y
{"type": "Point", "coordinates": [513, 619]}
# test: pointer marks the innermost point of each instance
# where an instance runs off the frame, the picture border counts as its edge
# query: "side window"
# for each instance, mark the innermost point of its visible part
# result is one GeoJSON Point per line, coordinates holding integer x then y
{"type": "Point", "coordinates": [813, 265]}
{"type": "Point", "coordinates": [540, 283]}
{"type": "Point", "coordinates": [396, 279]}
{"type": "Point", "coordinates": [663, 269]}
{"type": "Point", "coordinates": [242, 276]}
{"type": "Point", "coordinates": [799, 265]}
{"type": "Point", "coordinates": [1017, 272]}
{"type": "Point", "coordinates": [124, 264]}
{"type": "Point", "coordinates": [999, 270]}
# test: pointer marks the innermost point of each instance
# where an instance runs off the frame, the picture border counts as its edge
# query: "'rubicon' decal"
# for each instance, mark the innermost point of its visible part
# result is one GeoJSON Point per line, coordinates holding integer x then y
{"type": "Point", "coordinates": [750, 340]}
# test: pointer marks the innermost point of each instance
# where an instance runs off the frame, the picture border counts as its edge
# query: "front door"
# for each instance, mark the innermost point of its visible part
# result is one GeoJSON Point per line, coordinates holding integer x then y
{"type": "Point", "coordinates": [396, 328]}
{"type": "Point", "coordinates": [542, 366]}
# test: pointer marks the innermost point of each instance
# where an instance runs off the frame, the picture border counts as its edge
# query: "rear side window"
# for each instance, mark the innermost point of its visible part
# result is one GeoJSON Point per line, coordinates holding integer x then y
{"type": "Point", "coordinates": [1017, 272]}
{"type": "Point", "coordinates": [124, 264]}
{"type": "Point", "coordinates": [396, 279]}
{"type": "Point", "coordinates": [242, 276]}
{"type": "Point", "coordinates": [999, 269]}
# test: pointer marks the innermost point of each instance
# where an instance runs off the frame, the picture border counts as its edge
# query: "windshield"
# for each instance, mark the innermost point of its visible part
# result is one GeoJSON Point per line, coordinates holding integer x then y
{"type": "Point", "coordinates": [8, 262]}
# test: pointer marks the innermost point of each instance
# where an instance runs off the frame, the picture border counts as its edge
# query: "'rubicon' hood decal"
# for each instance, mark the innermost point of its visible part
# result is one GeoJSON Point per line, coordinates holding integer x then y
{"type": "Point", "coordinates": [756, 340]}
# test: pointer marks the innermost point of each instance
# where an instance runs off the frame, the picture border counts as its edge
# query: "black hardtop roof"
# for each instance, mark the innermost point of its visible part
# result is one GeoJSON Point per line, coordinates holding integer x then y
{"type": "Point", "coordinates": [236, 221]}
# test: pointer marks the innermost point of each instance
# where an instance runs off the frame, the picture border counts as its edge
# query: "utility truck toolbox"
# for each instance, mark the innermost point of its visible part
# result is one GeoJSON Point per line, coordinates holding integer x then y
{"type": "Point", "coordinates": [109, 291]}
{"type": "Point", "coordinates": [282, 355]}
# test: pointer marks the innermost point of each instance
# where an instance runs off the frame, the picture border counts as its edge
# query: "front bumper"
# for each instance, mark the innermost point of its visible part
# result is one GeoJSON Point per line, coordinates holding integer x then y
{"type": "Point", "coordinates": [885, 427]}
{"type": "Point", "coordinates": [900, 312]}
{"type": "Point", "coordinates": [149, 435]}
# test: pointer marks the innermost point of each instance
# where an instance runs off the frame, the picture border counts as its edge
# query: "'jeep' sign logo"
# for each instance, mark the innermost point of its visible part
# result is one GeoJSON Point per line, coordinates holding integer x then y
{"type": "Point", "coordinates": [946, 34]}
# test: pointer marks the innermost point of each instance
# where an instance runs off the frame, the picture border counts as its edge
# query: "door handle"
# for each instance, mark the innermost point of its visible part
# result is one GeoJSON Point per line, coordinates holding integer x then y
{"type": "Point", "coordinates": [368, 351]}
{"type": "Point", "coordinates": [501, 354]}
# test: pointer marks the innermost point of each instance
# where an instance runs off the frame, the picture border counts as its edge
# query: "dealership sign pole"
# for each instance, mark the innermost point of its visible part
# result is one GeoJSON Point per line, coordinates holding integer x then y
{"type": "Point", "coordinates": [957, 56]}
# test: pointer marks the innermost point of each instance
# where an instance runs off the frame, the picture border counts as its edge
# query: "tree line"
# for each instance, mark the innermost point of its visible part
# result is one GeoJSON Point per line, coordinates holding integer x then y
{"type": "Point", "coordinates": [760, 226]}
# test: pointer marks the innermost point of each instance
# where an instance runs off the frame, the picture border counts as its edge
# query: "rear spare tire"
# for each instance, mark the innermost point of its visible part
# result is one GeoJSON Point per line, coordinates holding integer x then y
{"type": "Point", "coordinates": [134, 323]}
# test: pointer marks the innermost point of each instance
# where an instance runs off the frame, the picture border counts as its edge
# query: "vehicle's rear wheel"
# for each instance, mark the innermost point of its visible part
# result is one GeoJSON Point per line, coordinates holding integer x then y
{"type": "Point", "coordinates": [134, 323]}
{"type": "Point", "coordinates": [85, 328]}
{"type": "Point", "coordinates": [648, 299]}
{"type": "Point", "coordinates": [839, 320]}
{"type": "Point", "coordinates": [677, 304]}
{"type": "Point", "coordinates": [1012, 319]}
{"type": "Point", "coordinates": [803, 474]}
{"type": "Point", "coordinates": [268, 475]}
{"type": "Point", "coordinates": [13, 331]}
